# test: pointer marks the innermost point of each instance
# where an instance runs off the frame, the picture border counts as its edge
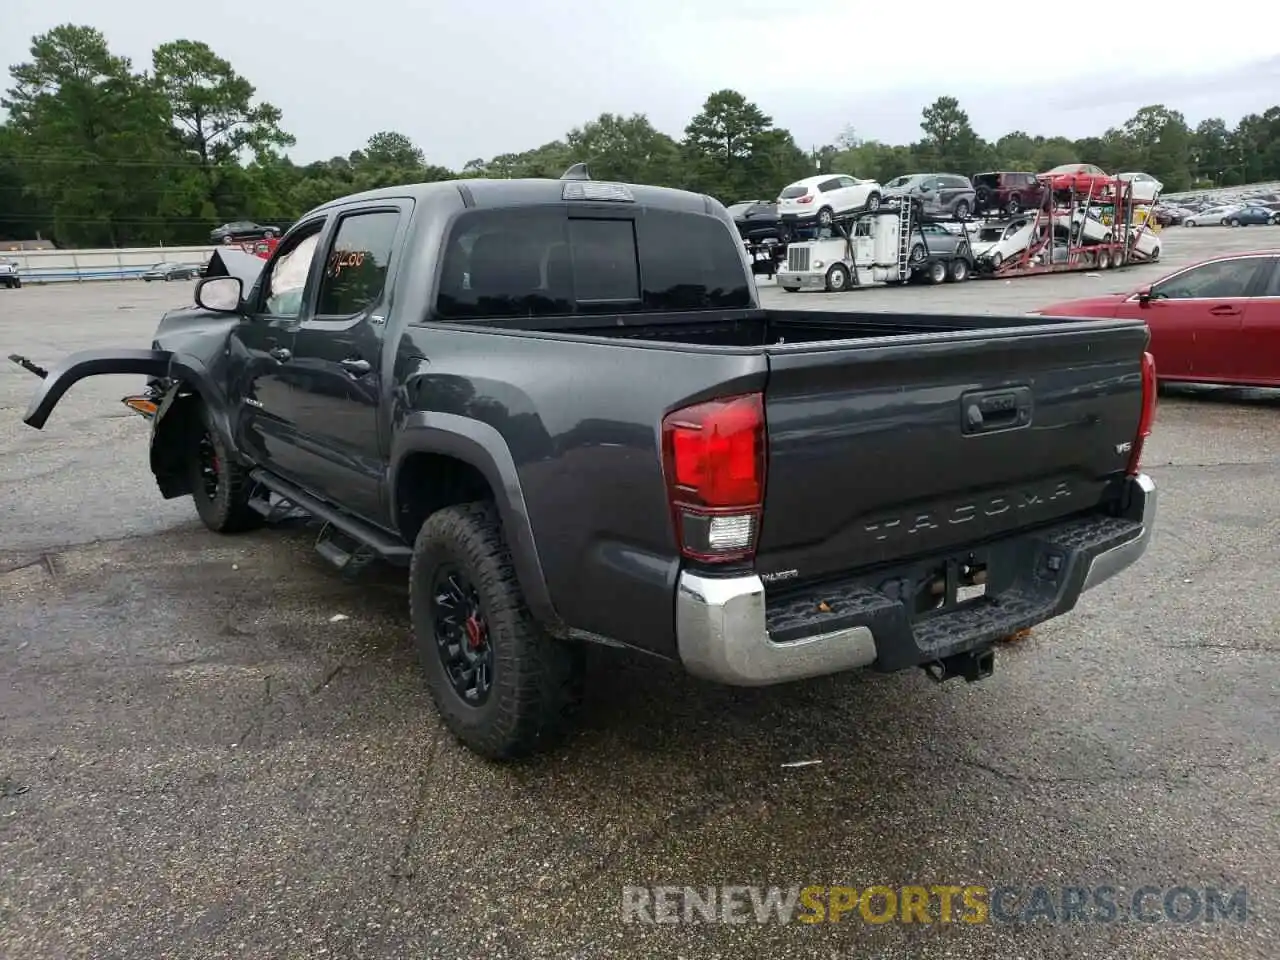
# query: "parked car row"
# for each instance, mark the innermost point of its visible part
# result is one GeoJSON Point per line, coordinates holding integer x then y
{"type": "Point", "coordinates": [1247, 206]}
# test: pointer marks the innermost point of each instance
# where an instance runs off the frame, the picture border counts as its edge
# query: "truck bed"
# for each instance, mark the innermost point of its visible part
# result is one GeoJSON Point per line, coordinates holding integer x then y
{"type": "Point", "coordinates": [892, 436]}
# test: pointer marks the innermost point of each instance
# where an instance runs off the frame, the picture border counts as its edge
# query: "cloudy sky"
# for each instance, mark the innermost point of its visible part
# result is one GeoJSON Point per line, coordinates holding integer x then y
{"type": "Point", "coordinates": [473, 79]}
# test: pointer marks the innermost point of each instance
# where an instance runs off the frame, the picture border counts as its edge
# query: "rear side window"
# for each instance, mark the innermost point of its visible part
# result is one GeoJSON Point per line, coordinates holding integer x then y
{"type": "Point", "coordinates": [793, 193]}
{"type": "Point", "coordinates": [356, 268]}
{"type": "Point", "coordinates": [541, 262]}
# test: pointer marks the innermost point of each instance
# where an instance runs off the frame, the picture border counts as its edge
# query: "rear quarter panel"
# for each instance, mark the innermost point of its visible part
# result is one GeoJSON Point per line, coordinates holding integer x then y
{"type": "Point", "coordinates": [582, 420]}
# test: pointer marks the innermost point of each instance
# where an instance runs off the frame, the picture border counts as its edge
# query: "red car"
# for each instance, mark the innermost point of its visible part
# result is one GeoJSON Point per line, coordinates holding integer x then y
{"type": "Point", "coordinates": [1212, 322]}
{"type": "Point", "coordinates": [1083, 178]}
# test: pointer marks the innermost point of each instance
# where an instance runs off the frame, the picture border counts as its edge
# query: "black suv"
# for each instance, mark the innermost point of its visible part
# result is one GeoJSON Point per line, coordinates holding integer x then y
{"type": "Point", "coordinates": [1008, 192]}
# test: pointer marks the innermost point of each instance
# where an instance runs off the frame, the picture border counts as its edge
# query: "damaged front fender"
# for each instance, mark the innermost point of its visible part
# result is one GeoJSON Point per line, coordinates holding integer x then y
{"type": "Point", "coordinates": [88, 363]}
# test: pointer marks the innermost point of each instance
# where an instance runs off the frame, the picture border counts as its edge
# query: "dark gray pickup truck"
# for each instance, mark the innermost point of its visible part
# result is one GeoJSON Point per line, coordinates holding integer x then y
{"type": "Point", "coordinates": [561, 405]}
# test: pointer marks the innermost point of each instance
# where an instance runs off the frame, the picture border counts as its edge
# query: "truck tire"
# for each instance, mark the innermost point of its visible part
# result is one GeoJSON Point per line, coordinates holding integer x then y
{"type": "Point", "coordinates": [959, 271]}
{"type": "Point", "coordinates": [838, 278]}
{"type": "Point", "coordinates": [936, 272]}
{"type": "Point", "coordinates": [220, 486]}
{"type": "Point", "coordinates": [503, 686]}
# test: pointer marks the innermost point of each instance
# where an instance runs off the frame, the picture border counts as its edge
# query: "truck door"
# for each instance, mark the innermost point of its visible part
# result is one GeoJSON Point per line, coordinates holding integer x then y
{"type": "Point", "coordinates": [261, 349]}
{"type": "Point", "coordinates": [337, 367]}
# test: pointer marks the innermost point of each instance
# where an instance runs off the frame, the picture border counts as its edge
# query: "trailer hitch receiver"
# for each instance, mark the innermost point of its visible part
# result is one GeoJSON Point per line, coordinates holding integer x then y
{"type": "Point", "coordinates": [972, 666]}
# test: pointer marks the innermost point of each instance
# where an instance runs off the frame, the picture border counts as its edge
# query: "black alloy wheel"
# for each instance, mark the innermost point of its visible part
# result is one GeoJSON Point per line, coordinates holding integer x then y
{"type": "Point", "coordinates": [462, 635]}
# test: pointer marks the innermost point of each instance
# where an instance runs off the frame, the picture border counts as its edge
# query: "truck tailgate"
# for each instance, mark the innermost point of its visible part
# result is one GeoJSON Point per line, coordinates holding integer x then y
{"type": "Point", "coordinates": [912, 445]}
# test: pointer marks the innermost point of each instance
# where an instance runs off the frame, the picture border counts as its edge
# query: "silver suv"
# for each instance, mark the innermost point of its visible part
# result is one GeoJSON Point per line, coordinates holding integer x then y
{"type": "Point", "coordinates": [935, 194]}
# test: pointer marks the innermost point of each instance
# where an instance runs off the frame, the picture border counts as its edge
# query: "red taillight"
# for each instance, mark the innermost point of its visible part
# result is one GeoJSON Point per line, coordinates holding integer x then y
{"type": "Point", "coordinates": [807, 198]}
{"type": "Point", "coordinates": [1148, 415]}
{"type": "Point", "coordinates": [713, 455]}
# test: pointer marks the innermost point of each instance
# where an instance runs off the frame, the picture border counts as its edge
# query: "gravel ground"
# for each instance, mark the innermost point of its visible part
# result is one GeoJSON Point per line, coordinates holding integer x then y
{"type": "Point", "coordinates": [197, 761]}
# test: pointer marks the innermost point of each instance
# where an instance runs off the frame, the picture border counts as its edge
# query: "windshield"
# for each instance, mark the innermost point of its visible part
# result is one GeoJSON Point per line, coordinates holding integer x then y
{"type": "Point", "coordinates": [899, 181]}
{"type": "Point", "coordinates": [1068, 168]}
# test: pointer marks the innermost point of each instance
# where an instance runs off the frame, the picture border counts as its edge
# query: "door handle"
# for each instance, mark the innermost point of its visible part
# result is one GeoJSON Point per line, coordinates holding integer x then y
{"type": "Point", "coordinates": [356, 367]}
{"type": "Point", "coordinates": [1225, 310]}
{"type": "Point", "coordinates": [281, 354]}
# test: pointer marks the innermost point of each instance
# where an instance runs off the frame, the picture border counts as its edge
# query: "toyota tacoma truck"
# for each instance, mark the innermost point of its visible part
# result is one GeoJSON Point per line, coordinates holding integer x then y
{"type": "Point", "coordinates": [561, 405]}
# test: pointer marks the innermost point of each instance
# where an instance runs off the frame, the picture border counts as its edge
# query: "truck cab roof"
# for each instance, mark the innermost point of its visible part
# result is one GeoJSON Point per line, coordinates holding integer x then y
{"type": "Point", "coordinates": [481, 192]}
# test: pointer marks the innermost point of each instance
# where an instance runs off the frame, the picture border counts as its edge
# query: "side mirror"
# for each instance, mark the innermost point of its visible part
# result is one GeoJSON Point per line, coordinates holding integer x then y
{"type": "Point", "coordinates": [1144, 297]}
{"type": "Point", "coordinates": [220, 294]}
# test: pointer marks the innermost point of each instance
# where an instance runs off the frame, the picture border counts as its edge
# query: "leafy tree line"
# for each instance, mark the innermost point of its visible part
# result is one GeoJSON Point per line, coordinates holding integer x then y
{"type": "Point", "coordinates": [96, 152]}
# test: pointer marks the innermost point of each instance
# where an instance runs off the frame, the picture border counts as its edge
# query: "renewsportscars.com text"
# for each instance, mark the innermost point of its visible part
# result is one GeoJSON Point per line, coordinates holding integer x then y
{"type": "Point", "coordinates": [934, 903]}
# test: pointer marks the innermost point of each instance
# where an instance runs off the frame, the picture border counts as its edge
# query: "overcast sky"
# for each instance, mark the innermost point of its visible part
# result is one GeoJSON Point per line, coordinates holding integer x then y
{"type": "Point", "coordinates": [473, 79]}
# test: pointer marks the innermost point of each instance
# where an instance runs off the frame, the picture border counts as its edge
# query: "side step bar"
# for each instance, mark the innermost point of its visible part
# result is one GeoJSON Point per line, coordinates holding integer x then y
{"type": "Point", "coordinates": [369, 542]}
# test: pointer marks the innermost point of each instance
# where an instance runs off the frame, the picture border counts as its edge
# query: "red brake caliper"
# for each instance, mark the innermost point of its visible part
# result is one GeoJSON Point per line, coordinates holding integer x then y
{"type": "Point", "coordinates": [475, 632]}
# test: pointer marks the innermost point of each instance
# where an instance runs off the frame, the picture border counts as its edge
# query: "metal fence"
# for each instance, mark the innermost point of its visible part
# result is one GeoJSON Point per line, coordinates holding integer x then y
{"type": "Point", "coordinates": [79, 266]}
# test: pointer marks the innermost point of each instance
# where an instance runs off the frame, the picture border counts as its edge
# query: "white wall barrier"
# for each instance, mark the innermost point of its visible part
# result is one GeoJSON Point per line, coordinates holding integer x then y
{"type": "Point", "coordinates": [126, 263]}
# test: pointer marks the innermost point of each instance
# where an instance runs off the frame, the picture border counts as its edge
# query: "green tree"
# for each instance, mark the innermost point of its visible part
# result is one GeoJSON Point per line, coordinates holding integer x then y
{"type": "Point", "coordinates": [719, 143]}
{"type": "Point", "coordinates": [214, 112]}
{"type": "Point", "coordinates": [950, 141]}
{"type": "Point", "coordinates": [94, 146]}
{"type": "Point", "coordinates": [392, 149]}
{"type": "Point", "coordinates": [1256, 148]}
{"type": "Point", "coordinates": [1162, 143]}
{"type": "Point", "coordinates": [627, 149]}
{"type": "Point", "coordinates": [1212, 151]}
{"type": "Point", "coordinates": [19, 209]}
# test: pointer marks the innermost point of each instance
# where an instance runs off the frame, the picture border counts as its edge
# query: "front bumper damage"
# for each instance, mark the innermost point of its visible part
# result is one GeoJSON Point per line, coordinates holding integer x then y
{"type": "Point", "coordinates": [729, 631]}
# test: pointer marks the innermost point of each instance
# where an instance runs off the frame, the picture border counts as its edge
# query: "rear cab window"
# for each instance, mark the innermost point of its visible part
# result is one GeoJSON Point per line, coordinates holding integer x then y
{"type": "Point", "coordinates": [542, 262]}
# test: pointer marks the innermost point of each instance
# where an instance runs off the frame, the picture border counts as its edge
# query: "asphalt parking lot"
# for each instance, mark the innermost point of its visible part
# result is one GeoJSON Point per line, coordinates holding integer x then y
{"type": "Point", "coordinates": [217, 747]}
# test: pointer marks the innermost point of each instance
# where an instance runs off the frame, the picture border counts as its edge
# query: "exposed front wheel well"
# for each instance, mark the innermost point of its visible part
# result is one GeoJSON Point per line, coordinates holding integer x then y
{"type": "Point", "coordinates": [171, 441]}
{"type": "Point", "coordinates": [427, 482]}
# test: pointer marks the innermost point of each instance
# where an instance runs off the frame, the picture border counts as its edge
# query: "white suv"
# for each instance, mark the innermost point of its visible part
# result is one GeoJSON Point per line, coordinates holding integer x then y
{"type": "Point", "coordinates": [818, 199]}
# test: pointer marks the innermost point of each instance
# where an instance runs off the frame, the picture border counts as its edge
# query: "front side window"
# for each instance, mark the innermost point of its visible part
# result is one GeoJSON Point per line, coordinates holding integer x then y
{"type": "Point", "coordinates": [1217, 280]}
{"type": "Point", "coordinates": [287, 276]}
{"type": "Point", "coordinates": [543, 262]}
{"type": "Point", "coordinates": [355, 270]}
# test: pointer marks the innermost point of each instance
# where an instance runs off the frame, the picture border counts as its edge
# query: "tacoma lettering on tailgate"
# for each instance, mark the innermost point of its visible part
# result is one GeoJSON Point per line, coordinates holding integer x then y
{"type": "Point", "coordinates": [956, 514]}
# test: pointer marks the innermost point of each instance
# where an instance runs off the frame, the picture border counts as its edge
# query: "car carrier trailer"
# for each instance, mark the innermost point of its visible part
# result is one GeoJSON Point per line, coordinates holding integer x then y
{"type": "Point", "coordinates": [1064, 235]}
